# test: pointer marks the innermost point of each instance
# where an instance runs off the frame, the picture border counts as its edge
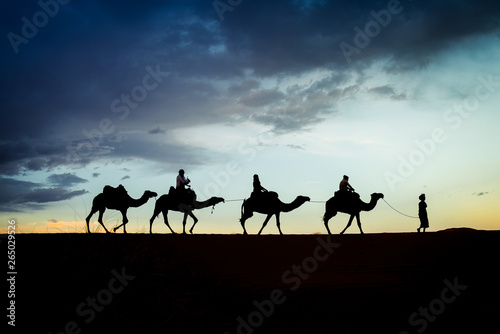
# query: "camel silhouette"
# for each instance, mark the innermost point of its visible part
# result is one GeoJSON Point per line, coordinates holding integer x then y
{"type": "Point", "coordinates": [351, 204]}
{"type": "Point", "coordinates": [116, 199]}
{"type": "Point", "coordinates": [170, 202]}
{"type": "Point", "coordinates": [269, 204]}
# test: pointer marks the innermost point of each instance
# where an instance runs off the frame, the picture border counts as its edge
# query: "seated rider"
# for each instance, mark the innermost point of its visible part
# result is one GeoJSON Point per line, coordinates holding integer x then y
{"type": "Point", "coordinates": [181, 183]}
{"type": "Point", "coordinates": [344, 185]}
{"type": "Point", "coordinates": [257, 187]}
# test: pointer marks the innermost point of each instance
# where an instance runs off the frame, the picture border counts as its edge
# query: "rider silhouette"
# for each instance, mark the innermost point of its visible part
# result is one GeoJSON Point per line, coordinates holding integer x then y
{"type": "Point", "coordinates": [183, 193]}
{"type": "Point", "coordinates": [258, 189]}
{"type": "Point", "coordinates": [346, 191]}
{"type": "Point", "coordinates": [344, 184]}
{"type": "Point", "coordinates": [181, 181]}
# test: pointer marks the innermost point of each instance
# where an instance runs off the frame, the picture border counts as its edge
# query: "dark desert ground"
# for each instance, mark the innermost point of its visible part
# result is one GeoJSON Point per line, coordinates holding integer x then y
{"type": "Point", "coordinates": [433, 282]}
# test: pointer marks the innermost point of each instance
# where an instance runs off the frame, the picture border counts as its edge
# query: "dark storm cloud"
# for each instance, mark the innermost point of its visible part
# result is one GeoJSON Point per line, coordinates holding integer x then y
{"type": "Point", "coordinates": [243, 87]}
{"type": "Point", "coordinates": [30, 155]}
{"type": "Point", "coordinates": [288, 39]}
{"type": "Point", "coordinates": [262, 98]}
{"type": "Point", "coordinates": [383, 90]}
{"type": "Point", "coordinates": [157, 131]}
{"type": "Point", "coordinates": [17, 195]}
{"type": "Point", "coordinates": [388, 91]}
{"type": "Point", "coordinates": [61, 85]}
{"type": "Point", "coordinates": [65, 180]}
{"type": "Point", "coordinates": [164, 153]}
{"type": "Point", "coordinates": [291, 118]}
{"type": "Point", "coordinates": [45, 195]}
{"type": "Point", "coordinates": [11, 191]}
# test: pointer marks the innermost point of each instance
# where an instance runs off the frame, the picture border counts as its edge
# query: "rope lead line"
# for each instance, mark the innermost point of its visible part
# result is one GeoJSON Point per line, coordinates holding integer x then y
{"type": "Point", "coordinates": [236, 200]}
{"type": "Point", "coordinates": [242, 199]}
{"type": "Point", "coordinates": [398, 211]}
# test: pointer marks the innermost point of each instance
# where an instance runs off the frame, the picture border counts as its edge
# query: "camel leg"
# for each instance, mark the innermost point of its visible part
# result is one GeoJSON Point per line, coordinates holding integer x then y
{"type": "Point", "coordinates": [326, 218]}
{"type": "Point", "coordinates": [348, 224]}
{"type": "Point", "coordinates": [244, 217]}
{"type": "Point", "coordinates": [156, 212]}
{"type": "Point", "coordinates": [184, 220]}
{"type": "Point", "coordinates": [327, 228]}
{"type": "Point", "coordinates": [101, 213]}
{"type": "Point", "coordinates": [242, 221]}
{"type": "Point", "coordinates": [165, 220]}
{"type": "Point", "coordinates": [246, 212]}
{"type": "Point", "coordinates": [151, 224]}
{"type": "Point", "coordinates": [88, 218]}
{"type": "Point", "coordinates": [359, 223]}
{"type": "Point", "coordinates": [125, 221]}
{"type": "Point", "coordinates": [278, 222]}
{"type": "Point", "coordinates": [191, 214]}
{"type": "Point", "coordinates": [265, 223]}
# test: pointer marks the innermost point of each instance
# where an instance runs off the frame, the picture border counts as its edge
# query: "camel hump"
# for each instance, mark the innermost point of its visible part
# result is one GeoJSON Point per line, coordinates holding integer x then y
{"type": "Point", "coordinates": [344, 195]}
{"type": "Point", "coordinates": [109, 190]}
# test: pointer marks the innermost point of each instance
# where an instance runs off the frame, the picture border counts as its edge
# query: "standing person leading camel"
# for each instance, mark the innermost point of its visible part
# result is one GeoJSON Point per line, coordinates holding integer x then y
{"type": "Point", "coordinates": [422, 213]}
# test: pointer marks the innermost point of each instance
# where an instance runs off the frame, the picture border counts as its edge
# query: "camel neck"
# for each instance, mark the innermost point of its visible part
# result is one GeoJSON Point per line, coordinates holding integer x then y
{"type": "Point", "coordinates": [371, 205]}
{"type": "Point", "coordinates": [287, 207]}
{"type": "Point", "coordinates": [202, 205]}
{"type": "Point", "coordinates": [138, 202]}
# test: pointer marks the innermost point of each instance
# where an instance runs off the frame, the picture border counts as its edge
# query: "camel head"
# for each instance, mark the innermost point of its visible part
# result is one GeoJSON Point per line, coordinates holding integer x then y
{"type": "Point", "coordinates": [377, 196]}
{"type": "Point", "coordinates": [216, 200]}
{"type": "Point", "coordinates": [302, 199]}
{"type": "Point", "coordinates": [150, 194]}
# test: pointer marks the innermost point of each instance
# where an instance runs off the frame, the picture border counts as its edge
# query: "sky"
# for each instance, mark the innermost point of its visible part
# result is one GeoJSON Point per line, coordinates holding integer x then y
{"type": "Point", "coordinates": [401, 96]}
